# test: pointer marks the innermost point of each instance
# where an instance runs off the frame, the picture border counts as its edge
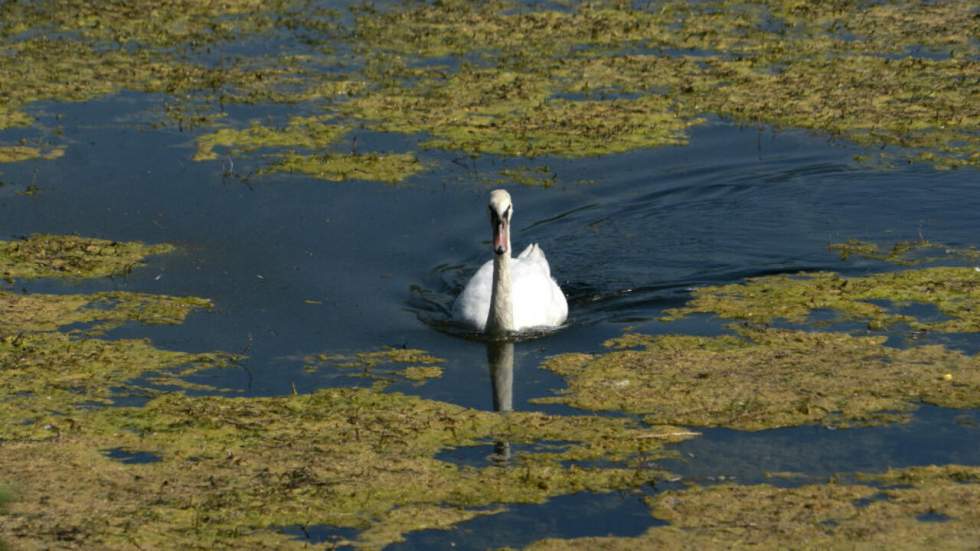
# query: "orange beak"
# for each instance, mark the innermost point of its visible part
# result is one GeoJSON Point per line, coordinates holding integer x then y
{"type": "Point", "coordinates": [500, 238]}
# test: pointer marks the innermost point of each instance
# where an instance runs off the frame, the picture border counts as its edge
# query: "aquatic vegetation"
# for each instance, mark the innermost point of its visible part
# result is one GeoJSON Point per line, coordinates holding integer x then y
{"type": "Point", "coordinates": [192, 22]}
{"type": "Point", "coordinates": [408, 363]}
{"type": "Point", "coordinates": [49, 379]}
{"type": "Point", "coordinates": [903, 253]}
{"type": "Point", "coordinates": [379, 167]}
{"type": "Point", "coordinates": [539, 176]}
{"type": "Point", "coordinates": [304, 132]}
{"type": "Point", "coordinates": [71, 256]}
{"type": "Point", "coordinates": [932, 506]}
{"type": "Point", "coordinates": [312, 133]}
{"type": "Point", "coordinates": [870, 74]}
{"type": "Point", "coordinates": [234, 470]}
{"type": "Point", "coordinates": [97, 312]}
{"type": "Point", "coordinates": [42, 42]}
{"type": "Point", "coordinates": [512, 113]}
{"type": "Point", "coordinates": [47, 376]}
{"type": "Point", "coordinates": [16, 153]}
{"type": "Point", "coordinates": [767, 378]}
{"type": "Point", "coordinates": [589, 79]}
{"type": "Point", "coordinates": [954, 291]}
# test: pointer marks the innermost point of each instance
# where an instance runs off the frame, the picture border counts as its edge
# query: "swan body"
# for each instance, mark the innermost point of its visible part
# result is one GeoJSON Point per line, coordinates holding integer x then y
{"type": "Point", "coordinates": [510, 294]}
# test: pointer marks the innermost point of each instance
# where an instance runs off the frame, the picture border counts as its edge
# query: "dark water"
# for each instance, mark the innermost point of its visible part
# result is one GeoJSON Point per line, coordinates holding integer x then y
{"type": "Point", "coordinates": [627, 236]}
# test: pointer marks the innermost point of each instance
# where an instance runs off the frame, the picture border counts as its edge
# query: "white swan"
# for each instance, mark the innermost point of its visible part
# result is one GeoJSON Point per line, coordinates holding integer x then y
{"type": "Point", "coordinates": [510, 294]}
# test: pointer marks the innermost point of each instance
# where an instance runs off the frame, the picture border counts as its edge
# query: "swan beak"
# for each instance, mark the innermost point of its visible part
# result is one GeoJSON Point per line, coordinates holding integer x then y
{"type": "Point", "coordinates": [500, 238]}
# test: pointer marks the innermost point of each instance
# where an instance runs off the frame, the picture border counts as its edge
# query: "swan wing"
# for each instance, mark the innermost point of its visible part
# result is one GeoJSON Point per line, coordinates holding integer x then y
{"type": "Point", "coordinates": [533, 256]}
{"type": "Point", "coordinates": [472, 306]}
{"type": "Point", "coordinates": [538, 300]}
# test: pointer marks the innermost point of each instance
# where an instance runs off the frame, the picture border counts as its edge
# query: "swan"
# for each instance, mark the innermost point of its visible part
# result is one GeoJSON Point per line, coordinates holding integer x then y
{"type": "Point", "coordinates": [510, 294]}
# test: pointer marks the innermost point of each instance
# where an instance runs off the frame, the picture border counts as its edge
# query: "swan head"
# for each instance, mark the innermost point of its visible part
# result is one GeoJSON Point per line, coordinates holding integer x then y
{"type": "Point", "coordinates": [501, 209]}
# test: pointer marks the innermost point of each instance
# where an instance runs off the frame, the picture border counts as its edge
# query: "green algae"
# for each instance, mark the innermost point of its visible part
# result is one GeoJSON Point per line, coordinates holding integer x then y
{"type": "Point", "coordinates": [538, 176]}
{"type": "Point", "coordinates": [955, 292]}
{"type": "Point", "coordinates": [50, 378]}
{"type": "Point", "coordinates": [311, 133]}
{"type": "Point", "coordinates": [903, 253]}
{"type": "Point", "coordinates": [512, 113]}
{"type": "Point", "coordinates": [232, 470]}
{"type": "Point", "coordinates": [580, 80]}
{"type": "Point", "coordinates": [303, 132]}
{"type": "Point", "coordinates": [79, 51]}
{"type": "Point", "coordinates": [98, 312]}
{"type": "Point", "coordinates": [816, 516]}
{"type": "Point", "coordinates": [390, 168]}
{"type": "Point", "coordinates": [146, 23]}
{"type": "Point", "coordinates": [407, 363]}
{"type": "Point", "coordinates": [850, 70]}
{"type": "Point", "coordinates": [767, 378]}
{"type": "Point", "coordinates": [17, 153]}
{"type": "Point", "coordinates": [70, 256]}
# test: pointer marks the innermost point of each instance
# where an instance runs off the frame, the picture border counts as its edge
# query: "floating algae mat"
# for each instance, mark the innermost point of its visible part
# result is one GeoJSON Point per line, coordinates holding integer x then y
{"type": "Point", "coordinates": [384, 94]}
{"type": "Point", "coordinates": [70, 256]}
{"type": "Point", "coordinates": [766, 379]}
{"type": "Point", "coordinates": [503, 78]}
{"type": "Point", "coordinates": [904, 253]}
{"type": "Point", "coordinates": [954, 291]}
{"type": "Point", "coordinates": [920, 507]}
{"type": "Point", "coordinates": [308, 134]}
{"type": "Point", "coordinates": [383, 365]}
{"type": "Point", "coordinates": [234, 471]}
{"type": "Point", "coordinates": [47, 375]}
{"type": "Point", "coordinates": [844, 71]}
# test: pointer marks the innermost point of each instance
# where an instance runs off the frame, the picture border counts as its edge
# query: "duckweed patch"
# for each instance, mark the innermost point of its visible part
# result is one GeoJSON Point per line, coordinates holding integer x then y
{"type": "Point", "coordinates": [71, 256]}
{"type": "Point", "coordinates": [767, 378]}
{"type": "Point", "coordinates": [407, 363]}
{"type": "Point", "coordinates": [955, 292]}
{"type": "Point", "coordinates": [823, 516]}
{"type": "Point", "coordinates": [231, 470]}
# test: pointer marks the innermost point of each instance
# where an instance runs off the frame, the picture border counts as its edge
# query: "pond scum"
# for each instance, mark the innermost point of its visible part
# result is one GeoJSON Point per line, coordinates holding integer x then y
{"type": "Point", "coordinates": [504, 79]}
{"type": "Point", "coordinates": [226, 471]}
{"type": "Point", "coordinates": [482, 78]}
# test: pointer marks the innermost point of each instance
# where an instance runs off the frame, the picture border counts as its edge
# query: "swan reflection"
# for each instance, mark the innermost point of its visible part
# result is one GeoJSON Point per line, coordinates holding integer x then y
{"type": "Point", "coordinates": [500, 360]}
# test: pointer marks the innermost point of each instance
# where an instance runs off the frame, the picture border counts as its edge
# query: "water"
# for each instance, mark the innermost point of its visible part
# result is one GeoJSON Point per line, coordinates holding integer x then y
{"type": "Point", "coordinates": [297, 266]}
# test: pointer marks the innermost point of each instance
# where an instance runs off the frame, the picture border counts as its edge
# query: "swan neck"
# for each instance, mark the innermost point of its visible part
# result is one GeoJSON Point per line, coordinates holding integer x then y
{"type": "Point", "coordinates": [501, 317]}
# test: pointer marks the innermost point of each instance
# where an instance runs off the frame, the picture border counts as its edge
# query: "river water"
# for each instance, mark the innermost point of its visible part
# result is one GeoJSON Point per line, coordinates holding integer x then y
{"type": "Point", "coordinates": [297, 266]}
